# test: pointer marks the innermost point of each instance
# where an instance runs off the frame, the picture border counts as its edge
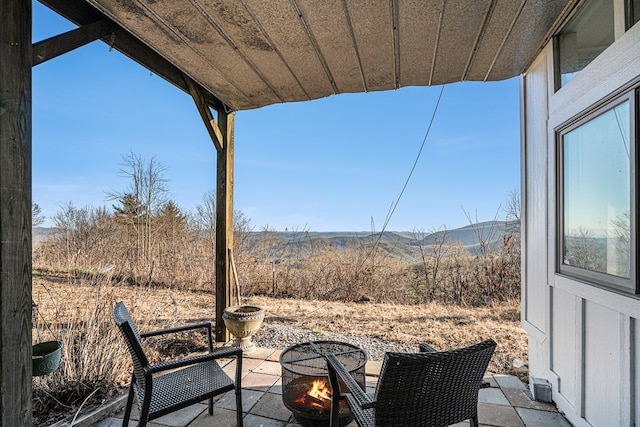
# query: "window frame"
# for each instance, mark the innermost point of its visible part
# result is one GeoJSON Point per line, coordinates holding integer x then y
{"type": "Point", "coordinates": [600, 279]}
{"type": "Point", "coordinates": [631, 13]}
{"type": "Point", "coordinates": [631, 16]}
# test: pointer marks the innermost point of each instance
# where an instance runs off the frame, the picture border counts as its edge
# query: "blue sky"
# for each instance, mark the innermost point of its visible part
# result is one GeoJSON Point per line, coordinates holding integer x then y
{"type": "Point", "coordinates": [334, 164]}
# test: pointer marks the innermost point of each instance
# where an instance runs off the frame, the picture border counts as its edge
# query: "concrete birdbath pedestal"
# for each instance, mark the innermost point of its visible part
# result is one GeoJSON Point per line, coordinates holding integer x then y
{"type": "Point", "coordinates": [243, 321]}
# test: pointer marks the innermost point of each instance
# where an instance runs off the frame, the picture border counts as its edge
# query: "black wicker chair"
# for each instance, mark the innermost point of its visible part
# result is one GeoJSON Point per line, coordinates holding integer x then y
{"type": "Point", "coordinates": [167, 387]}
{"type": "Point", "coordinates": [430, 388]}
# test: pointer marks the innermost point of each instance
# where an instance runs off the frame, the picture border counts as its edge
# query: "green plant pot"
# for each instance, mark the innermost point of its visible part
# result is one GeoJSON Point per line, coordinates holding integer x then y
{"type": "Point", "coordinates": [46, 357]}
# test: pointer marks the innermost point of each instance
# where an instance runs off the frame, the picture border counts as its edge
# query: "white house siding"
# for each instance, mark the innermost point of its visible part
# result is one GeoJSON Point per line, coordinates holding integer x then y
{"type": "Point", "coordinates": [601, 359]}
{"type": "Point", "coordinates": [566, 344]}
{"type": "Point", "coordinates": [585, 340]}
{"type": "Point", "coordinates": [535, 151]}
{"type": "Point", "coordinates": [636, 351]}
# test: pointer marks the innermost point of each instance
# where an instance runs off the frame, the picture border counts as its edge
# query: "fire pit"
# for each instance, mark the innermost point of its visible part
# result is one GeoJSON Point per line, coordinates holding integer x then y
{"type": "Point", "coordinates": [305, 383]}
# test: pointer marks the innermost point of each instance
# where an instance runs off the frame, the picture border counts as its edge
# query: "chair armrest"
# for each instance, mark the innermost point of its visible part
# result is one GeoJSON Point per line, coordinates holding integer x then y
{"type": "Point", "coordinates": [334, 366]}
{"type": "Point", "coordinates": [218, 353]}
{"type": "Point", "coordinates": [426, 348]}
{"type": "Point", "coordinates": [190, 327]}
{"type": "Point", "coordinates": [206, 325]}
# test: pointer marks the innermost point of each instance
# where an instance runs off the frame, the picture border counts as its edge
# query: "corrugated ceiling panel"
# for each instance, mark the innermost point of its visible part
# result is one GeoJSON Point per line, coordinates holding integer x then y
{"type": "Point", "coordinates": [330, 28]}
{"type": "Point", "coordinates": [418, 32]}
{"type": "Point", "coordinates": [497, 28]}
{"type": "Point", "coordinates": [140, 22]}
{"type": "Point", "coordinates": [239, 25]}
{"type": "Point", "coordinates": [251, 53]}
{"type": "Point", "coordinates": [208, 45]}
{"type": "Point", "coordinates": [373, 32]}
{"type": "Point", "coordinates": [461, 25]}
{"type": "Point", "coordinates": [534, 22]}
{"type": "Point", "coordinates": [284, 28]}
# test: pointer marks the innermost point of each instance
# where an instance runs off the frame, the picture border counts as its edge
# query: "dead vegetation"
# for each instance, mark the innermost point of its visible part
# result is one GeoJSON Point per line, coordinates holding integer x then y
{"type": "Point", "coordinates": [95, 361]}
{"type": "Point", "coordinates": [164, 262]}
{"type": "Point", "coordinates": [447, 298]}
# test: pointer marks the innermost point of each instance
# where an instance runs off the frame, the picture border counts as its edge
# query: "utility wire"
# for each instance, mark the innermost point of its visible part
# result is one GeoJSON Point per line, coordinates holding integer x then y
{"type": "Point", "coordinates": [404, 187]}
{"type": "Point", "coordinates": [406, 183]}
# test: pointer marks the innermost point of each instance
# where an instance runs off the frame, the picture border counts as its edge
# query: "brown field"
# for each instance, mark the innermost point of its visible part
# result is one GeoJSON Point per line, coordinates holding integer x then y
{"type": "Point", "coordinates": [441, 326]}
{"type": "Point", "coordinates": [161, 263]}
{"type": "Point", "coordinates": [95, 362]}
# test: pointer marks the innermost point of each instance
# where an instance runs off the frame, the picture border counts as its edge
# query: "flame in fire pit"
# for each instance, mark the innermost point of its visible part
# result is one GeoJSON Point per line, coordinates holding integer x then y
{"type": "Point", "coordinates": [320, 390]}
{"type": "Point", "coordinates": [318, 395]}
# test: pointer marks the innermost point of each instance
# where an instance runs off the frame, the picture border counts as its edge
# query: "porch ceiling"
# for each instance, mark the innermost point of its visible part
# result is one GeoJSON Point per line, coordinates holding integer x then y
{"type": "Point", "coordinates": [252, 53]}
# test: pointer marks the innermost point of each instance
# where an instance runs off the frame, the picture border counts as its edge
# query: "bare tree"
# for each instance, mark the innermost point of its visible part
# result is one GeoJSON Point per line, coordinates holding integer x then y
{"type": "Point", "coordinates": [431, 256]}
{"type": "Point", "coordinates": [621, 227]}
{"type": "Point", "coordinates": [145, 194]}
{"type": "Point", "coordinates": [512, 210]}
{"type": "Point", "coordinates": [205, 218]}
{"type": "Point", "coordinates": [171, 225]}
{"type": "Point", "coordinates": [79, 235]}
{"type": "Point", "coordinates": [241, 229]}
{"type": "Point", "coordinates": [484, 237]}
{"type": "Point", "coordinates": [36, 215]}
{"type": "Point", "coordinates": [581, 250]}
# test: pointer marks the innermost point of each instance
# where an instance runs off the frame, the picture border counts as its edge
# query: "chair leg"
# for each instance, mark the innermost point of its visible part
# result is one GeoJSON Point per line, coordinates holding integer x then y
{"type": "Point", "coordinates": [473, 422]}
{"type": "Point", "coordinates": [144, 419]}
{"type": "Point", "coordinates": [334, 415]}
{"type": "Point", "coordinates": [144, 410]}
{"type": "Point", "coordinates": [211, 406]}
{"type": "Point", "coordinates": [239, 406]}
{"type": "Point", "coordinates": [127, 411]}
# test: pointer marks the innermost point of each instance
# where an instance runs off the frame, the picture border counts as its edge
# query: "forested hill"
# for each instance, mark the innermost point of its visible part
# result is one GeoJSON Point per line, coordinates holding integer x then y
{"type": "Point", "coordinates": [403, 244]}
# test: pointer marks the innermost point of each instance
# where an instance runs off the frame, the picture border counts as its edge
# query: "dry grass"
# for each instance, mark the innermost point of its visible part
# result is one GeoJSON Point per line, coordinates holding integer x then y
{"type": "Point", "coordinates": [439, 325]}
{"type": "Point", "coordinates": [95, 361]}
{"type": "Point", "coordinates": [443, 327]}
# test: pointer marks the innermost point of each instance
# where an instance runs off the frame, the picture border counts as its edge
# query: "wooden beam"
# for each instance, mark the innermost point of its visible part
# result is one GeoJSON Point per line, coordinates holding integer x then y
{"type": "Point", "coordinates": [205, 112]}
{"type": "Point", "coordinates": [216, 131]}
{"type": "Point", "coordinates": [15, 213]}
{"type": "Point", "coordinates": [55, 46]}
{"type": "Point", "coordinates": [224, 222]}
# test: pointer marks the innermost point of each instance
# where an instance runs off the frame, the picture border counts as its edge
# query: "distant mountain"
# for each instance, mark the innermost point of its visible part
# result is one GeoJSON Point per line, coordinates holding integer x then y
{"type": "Point", "coordinates": [40, 233]}
{"type": "Point", "coordinates": [404, 245]}
{"type": "Point", "coordinates": [489, 232]}
{"type": "Point", "coordinates": [401, 244]}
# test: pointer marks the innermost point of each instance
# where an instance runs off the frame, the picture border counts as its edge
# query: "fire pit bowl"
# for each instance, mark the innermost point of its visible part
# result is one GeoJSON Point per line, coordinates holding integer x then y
{"type": "Point", "coordinates": [305, 383]}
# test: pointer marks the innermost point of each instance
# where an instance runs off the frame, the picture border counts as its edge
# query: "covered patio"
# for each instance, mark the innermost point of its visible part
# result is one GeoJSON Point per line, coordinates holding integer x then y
{"type": "Point", "coordinates": [232, 56]}
{"type": "Point", "coordinates": [507, 403]}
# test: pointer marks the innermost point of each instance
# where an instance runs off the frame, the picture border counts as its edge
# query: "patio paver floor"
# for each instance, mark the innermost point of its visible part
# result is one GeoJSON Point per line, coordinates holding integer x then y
{"type": "Point", "coordinates": [506, 404]}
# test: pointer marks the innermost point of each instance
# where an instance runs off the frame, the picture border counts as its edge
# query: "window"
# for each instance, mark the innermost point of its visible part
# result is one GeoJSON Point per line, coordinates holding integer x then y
{"type": "Point", "coordinates": [633, 15]}
{"type": "Point", "coordinates": [596, 162]}
{"type": "Point", "coordinates": [589, 32]}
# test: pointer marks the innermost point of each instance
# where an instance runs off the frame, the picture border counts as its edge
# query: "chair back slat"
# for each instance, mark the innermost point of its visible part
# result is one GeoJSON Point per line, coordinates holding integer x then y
{"type": "Point", "coordinates": [134, 344]}
{"type": "Point", "coordinates": [425, 389]}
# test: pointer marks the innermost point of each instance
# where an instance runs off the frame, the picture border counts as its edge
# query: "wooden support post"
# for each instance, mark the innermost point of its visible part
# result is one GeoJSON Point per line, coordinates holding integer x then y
{"type": "Point", "coordinates": [222, 138]}
{"type": "Point", "coordinates": [15, 213]}
{"type": "Point", "coordinates": [224, 222]}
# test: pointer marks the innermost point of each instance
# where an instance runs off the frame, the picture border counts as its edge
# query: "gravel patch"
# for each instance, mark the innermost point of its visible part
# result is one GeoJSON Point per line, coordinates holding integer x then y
{"type": "Point", "coordinates": [285, 336]}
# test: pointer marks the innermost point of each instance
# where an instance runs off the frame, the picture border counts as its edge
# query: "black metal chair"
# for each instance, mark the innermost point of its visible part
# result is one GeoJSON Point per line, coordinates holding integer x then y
{"type": "Point", "coordinates": [423, 389]}
{"type": "Point", "coordinates": [167, 387]}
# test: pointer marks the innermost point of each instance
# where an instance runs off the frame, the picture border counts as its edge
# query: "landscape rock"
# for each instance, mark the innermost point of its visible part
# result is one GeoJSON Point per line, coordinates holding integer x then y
{"type": "Point", "coordinates": [285, 336]}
